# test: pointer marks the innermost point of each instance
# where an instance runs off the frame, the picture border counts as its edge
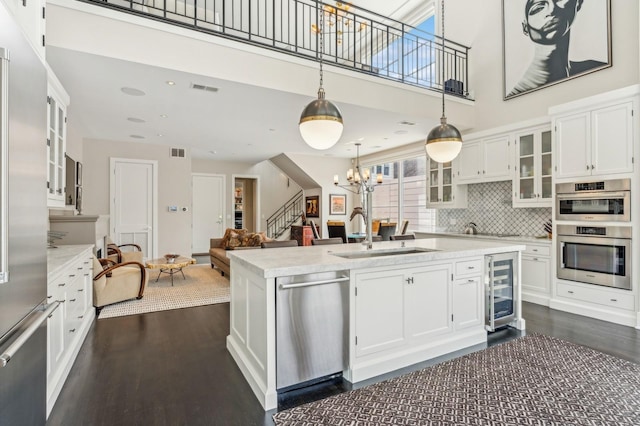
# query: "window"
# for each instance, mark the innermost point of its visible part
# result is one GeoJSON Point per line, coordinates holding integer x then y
{"type": "Point", "coordinates": [402, 195]}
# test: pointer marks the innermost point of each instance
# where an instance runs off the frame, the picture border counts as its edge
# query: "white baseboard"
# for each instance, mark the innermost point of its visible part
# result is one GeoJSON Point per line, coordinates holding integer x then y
{"type": "Point", "coordinates": [629, 319]}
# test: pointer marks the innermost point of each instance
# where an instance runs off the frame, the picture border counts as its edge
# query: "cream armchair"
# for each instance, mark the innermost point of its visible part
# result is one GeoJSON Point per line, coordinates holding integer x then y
{"type": "Point", "coordinates": [123, 252]}
{"type": "Point", "coordinates": [116, 282]}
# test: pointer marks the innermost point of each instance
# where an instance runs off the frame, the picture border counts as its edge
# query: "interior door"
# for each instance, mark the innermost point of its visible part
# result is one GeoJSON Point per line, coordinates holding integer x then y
{"type": "Point", "coordinates": [207, 210]}
{"type": "Point", "coordinates": [133, 203]}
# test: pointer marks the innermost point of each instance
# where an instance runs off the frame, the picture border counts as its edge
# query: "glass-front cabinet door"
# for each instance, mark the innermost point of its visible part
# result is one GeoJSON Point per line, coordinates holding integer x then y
{"type": "Point", "coordinates": [532, 182]}
{"type": "Point", "coordinates": [441, 188]}
{"type": "Point", "coordinates": [56, 148]}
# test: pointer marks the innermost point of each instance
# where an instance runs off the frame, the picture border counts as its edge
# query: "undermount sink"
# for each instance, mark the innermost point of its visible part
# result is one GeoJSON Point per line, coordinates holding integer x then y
{"type": "Point", "coordinates": [380, 253]}
{"type": "Point", "coordinates": [496, 234]}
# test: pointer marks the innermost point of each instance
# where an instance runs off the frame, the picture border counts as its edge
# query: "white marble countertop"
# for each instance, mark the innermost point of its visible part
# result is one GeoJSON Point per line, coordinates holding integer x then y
{"type": "Point", "coordinates": [276, 262]}
{"type": "Point", "coordinates": [62, 256]}
{"type": "Point", "coordinates": [519, 238]}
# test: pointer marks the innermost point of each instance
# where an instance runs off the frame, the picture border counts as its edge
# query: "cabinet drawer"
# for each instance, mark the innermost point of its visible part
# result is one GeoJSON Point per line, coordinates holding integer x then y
{"type": "Point", "coordinates": [473, 266]}
{"type": "Point", "coordinates": [537, 250]}
{"type": "Point", "coordinates": [595, 295]}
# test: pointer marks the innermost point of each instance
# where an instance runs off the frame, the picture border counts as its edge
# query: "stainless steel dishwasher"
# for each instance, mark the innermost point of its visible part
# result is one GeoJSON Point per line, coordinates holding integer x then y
{"type": "Point", "coordinates": [312, 326]}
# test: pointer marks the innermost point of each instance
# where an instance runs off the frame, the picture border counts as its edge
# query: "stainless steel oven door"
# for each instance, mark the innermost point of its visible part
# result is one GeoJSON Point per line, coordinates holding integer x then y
{"type": "Point", "coordinates": [595, 260]}
{"type": "Point", "coordinates": [596, 206]}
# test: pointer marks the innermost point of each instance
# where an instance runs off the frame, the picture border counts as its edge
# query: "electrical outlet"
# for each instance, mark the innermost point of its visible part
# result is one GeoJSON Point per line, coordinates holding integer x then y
{"type": "Point", "coordinates": [453, 221]}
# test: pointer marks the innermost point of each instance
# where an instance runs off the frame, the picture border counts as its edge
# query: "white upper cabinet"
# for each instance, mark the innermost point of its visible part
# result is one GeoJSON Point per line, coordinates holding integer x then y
{"type": "Point", "coordinates": [532, 185]}
{"type": "Point", "coordinates": [442, 187]}
{"type": "Point", "coordinates": [485, 160]}
{"type": "Point", "coordinates": [30, 15]}
{"type": "Point", "coordinates": [57, 100]}
{"type": "Point", "coordinates": [595, 140]}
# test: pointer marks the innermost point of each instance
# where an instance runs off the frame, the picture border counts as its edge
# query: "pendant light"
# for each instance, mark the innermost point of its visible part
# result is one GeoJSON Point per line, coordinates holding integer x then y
{"type": "Point", "coordinates": [321, 122]}
{"type": "Point", "coordinates": [444, 142]}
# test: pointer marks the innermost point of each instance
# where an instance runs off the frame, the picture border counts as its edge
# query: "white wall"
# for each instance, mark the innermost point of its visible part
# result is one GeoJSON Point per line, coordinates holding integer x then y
{"type": "Point", "coordinates": [478, 24]}
{"type": "Point", "coordinates": [275, 187]}
{"type": "Point", "coordinates": [322, 170]}
{"type": "Point", "coordinates": [174, 187]}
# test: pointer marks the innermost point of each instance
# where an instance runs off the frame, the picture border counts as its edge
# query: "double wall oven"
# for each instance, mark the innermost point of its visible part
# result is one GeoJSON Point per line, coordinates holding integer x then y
{"type": "Point", "coordinates": [589, 251]}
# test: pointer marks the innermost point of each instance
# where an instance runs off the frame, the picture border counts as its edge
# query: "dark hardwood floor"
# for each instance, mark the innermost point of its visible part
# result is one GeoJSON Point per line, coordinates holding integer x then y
{"type": "Point", "coordinates": [172, 368]}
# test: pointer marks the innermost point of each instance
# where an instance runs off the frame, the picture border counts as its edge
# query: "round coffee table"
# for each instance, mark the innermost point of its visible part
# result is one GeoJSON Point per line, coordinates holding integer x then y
{"type": "Point", "coordinates": [170, 268]}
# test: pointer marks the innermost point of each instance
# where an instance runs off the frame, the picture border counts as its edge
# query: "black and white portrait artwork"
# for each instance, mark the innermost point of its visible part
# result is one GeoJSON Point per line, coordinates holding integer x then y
{"type": "Point", "coordinates": [549, 41]}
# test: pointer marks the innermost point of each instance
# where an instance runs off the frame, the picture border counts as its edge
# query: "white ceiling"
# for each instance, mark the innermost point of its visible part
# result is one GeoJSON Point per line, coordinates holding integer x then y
{"type": "Point", "coordinates": [239, 122]}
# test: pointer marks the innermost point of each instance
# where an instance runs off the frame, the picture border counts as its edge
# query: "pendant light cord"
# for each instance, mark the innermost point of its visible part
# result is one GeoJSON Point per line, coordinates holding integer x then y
{"type": "Point", "coordinates": [321, 90]}
{"type": "Point", "coordinates": [442, 40]}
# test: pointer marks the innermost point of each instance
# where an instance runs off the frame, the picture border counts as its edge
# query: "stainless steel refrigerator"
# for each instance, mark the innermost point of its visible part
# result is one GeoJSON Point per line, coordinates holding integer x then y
{"type": "Point", "coordinates": [23, 229]}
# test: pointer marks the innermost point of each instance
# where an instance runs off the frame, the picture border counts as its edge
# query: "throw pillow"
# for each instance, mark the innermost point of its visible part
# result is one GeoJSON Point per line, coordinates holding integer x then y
{"type": "Point", "coordinates": [225, 243]}
{"type": "Point", "coordinates": [251, 240]}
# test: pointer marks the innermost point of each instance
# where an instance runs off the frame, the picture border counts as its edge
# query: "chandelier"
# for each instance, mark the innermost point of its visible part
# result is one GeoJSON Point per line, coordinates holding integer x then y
{"type": "Point", "coordinates": [361, 182]}
{"type": "Point", "coordinates": [338, 21]}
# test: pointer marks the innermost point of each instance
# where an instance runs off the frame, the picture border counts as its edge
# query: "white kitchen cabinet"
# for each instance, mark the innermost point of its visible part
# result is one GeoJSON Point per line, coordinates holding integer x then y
{"type": "Point", "coordinates": [70, 282]}
{"type": "Point", "coordinates": [30, 15]}
{"type": "Point", "coordinates": [442, 187]}
{"type": "Point", "coordinates": [536, 274]}
{"type": "Point", "coordinates": [598, 141]}
{"type": "Point", "coordinates": [400, 306]}
{"type": "Point", "coordinates": [56, 145]}
{"type": "Point", "coordinates": [532, 186]}
{"type": "Point", "coordinates": [468, 310]}
{"type": "Point", "coordinates": [485, 160]}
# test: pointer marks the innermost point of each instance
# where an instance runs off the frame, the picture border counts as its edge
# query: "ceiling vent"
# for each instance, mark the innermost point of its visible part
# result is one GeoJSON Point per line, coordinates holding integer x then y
{"type": "Point", "coordinates": [203, 87]}
{"type": "Point", "coordinates": [177, 152]}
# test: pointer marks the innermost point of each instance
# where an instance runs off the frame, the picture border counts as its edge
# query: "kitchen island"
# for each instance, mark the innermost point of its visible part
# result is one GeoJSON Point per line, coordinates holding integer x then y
{"type": "Point", "coordinates": [408, 301]}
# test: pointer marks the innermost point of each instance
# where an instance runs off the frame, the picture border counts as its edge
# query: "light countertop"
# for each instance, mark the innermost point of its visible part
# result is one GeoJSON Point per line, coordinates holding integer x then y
{"type": "Point", "coordinates": [276, 262]}
{"type": "Point", "coordinates": [517, 238]}
{"type": "Point", "coordinates": [62, 256]}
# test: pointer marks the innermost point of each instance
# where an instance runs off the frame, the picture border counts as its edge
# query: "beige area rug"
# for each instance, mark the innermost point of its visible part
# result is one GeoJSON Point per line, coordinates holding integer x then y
{"type": "Point", "coordinates": [202, 286]}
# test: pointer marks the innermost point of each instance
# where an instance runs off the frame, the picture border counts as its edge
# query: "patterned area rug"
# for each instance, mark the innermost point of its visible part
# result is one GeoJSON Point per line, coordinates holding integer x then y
{"type": "Point", "coordinates": [202, 286]}
{"type": "Point", "coordinates": [534, 380]}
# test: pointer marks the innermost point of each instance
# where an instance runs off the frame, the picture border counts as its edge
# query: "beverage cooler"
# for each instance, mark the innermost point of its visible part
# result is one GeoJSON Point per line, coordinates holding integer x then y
{"type": "Point", "coordinates": [501, 274]}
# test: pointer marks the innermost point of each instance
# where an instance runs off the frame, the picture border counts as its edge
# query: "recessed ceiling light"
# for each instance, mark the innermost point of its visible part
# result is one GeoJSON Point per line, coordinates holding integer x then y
{"type": "Point", "coordinates": [360, 139]}
{"type": "Point", "coordinates": [272, 130]}
{"type": "Point", "coordinates": [136, 120]}
{"type": "Point", "coordinates": [401, 132]}
{"type": "Point", "coordinates": [164, 115]}
{"type": "Point", "coordinates": [213, 152]}
{"type": "Point", "coordinates": [171, 83]}
{"type": "Point", "coordinates": [376, 146]}
{"type": "Point", "coordinates": [407, 123]}
{"type": "Point", "coordinates": [136, 136]}
{"type": "Point", "coordinates": [160, 135]}
{"type": "Point", "coordinates": [131, 91]}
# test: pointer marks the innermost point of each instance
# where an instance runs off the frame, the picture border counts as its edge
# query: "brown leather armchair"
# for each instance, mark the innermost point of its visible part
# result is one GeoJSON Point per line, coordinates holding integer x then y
{"type": "Point", "coordinates": [116, 282]}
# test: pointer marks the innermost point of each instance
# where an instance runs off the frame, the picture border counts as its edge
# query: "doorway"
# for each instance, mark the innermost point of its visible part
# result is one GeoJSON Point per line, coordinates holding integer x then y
{"type": "Point", "coordinates": [246, 212]}
{"type": "Point", "coordinates": [133, 208]}
{"type": "Point", "coordinates": [207, 210]}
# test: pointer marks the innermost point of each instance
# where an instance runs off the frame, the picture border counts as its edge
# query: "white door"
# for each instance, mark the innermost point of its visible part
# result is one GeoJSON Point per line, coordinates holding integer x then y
{"type": "Point", "coordinates": [207, 210]}
{"type": "Point", "coordinates": [133, 203]}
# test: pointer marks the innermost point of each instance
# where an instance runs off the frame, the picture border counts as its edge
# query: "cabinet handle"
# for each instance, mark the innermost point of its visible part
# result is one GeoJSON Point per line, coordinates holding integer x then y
{"type": "Point", "coordinates": [483, 172]}
{"type": "Point", "coordinates": [73, 330]}
{"type": "Point", "coordinates": [80, 268]}
{"type": "Point", "coordinates": [81, 316]}
{"type": "Point", "coordinates": [535, 259]}
{"type": "Point", "coordinates": [592, 167]}
{"type": "Point", "coordinates": [72, 275]}
{"type": "Point", "coordinates": [81, 290]}
{"type": "Point", "coordinates": [587, 167]}
{"type": "Point", "coordinates": [570, 291]}
{"type": "Point", "coordinates": [536, 250]}
{"type": "Point", "coordinates": [471, 281]}
{"type": "Point", "coordinates": [471, 267]}
{"type": "Point", "coordinates": [62, 285]}
{"type": "Point", "coordinates": [49, 297]}
{"type": "Point", "coordinates": [614, 300]}
{"type": "Point", "coordinates": [409, 280]}
{"type": "Point", "coordinates": [72, 300]}
{"type": "Point", "coordinates": [478, 171]}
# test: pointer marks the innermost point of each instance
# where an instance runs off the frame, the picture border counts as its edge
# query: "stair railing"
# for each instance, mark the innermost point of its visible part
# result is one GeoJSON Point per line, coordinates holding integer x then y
{"type": "Point", "coordinates": [354, 38]}
{"type": "Point", "coordinates": [285, 216]}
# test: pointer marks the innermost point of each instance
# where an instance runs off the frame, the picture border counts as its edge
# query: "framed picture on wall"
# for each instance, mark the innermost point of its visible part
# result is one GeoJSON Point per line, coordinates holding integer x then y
{"type": "Point", "coordinates": [548, 42]}
{"type": "Point", "coordinates": [337, 204]}
{"type": "Point", "coordinates": [312, 204]}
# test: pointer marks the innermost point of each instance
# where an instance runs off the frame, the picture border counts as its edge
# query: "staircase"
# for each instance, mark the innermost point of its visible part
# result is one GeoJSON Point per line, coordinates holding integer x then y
{"type": "Point", "coordinates": [287, 215]}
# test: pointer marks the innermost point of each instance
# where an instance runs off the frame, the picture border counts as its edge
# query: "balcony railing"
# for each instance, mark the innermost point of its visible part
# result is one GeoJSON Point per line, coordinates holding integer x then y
{"type": "Point", "coordinates": [354, 38]}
